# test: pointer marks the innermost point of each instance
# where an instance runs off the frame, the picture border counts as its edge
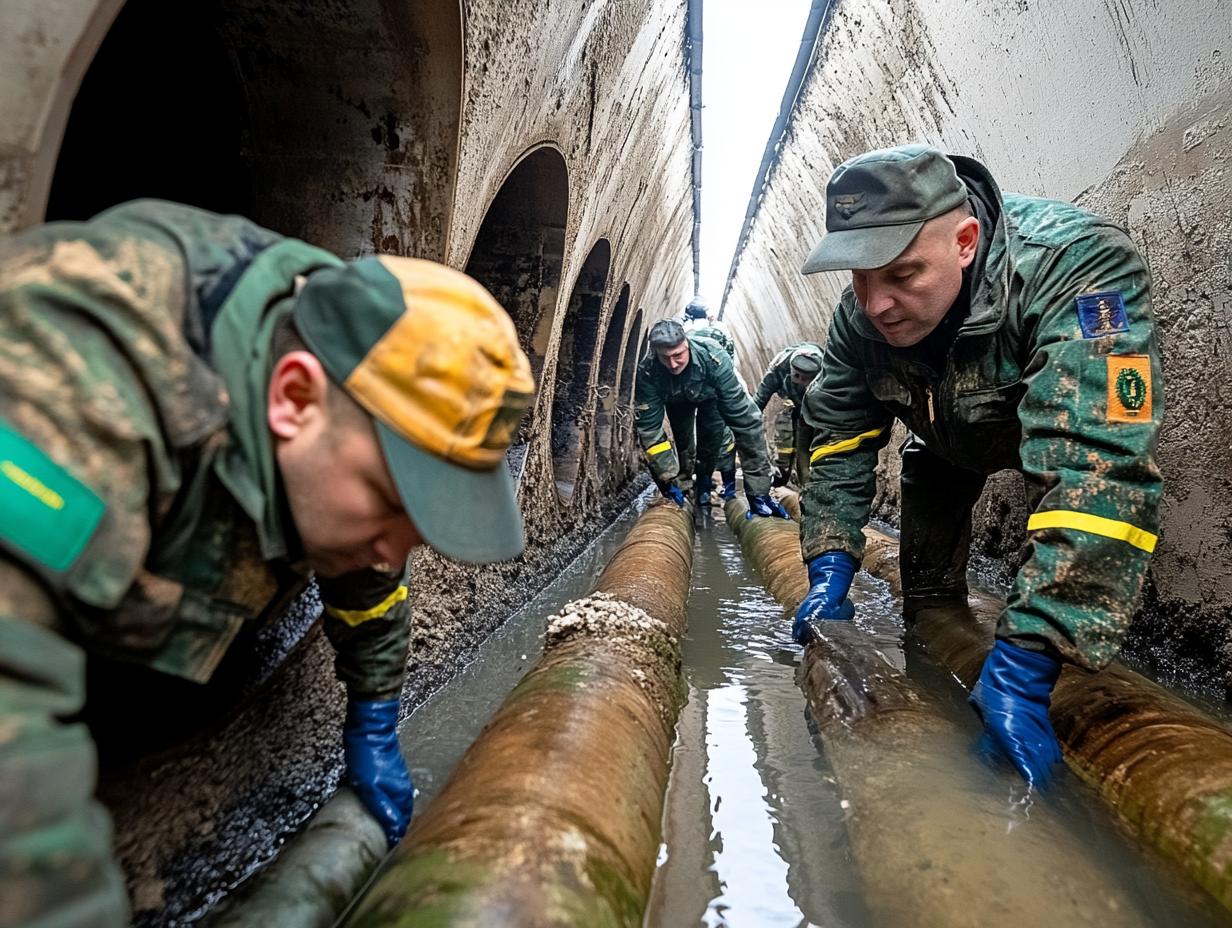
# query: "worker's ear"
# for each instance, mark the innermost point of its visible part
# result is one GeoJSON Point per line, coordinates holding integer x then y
{"type": "Point", "coordinates": [298, 390]}
{"type": "Point", "coordinates": [967, 234]}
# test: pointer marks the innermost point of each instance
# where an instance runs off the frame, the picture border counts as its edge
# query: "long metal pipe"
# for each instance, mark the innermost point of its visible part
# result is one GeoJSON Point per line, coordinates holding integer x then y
{"type": "Point", "coordinates": [552, 817]}
{"type": "Point", "coordinates": [1164, 767]}
{"type": "Point", "coordinates": [932, 847]}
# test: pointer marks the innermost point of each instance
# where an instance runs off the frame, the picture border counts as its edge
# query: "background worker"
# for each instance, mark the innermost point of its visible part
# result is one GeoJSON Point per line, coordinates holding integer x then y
{"type": "Point", "coordinates": [691, 380]}
{"type": "Point", "coordinates": [197, 415]}
{"type": "Point", "coordinates": [1005, 332]}
{"type": "Point", "coordinates": [791, 371]}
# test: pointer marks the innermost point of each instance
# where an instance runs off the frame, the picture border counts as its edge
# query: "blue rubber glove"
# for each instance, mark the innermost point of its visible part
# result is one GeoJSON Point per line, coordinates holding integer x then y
{"type": "Point", "coordinates": [1012, 697]}
{"type": "Point", "coordinates": [675, 494]}
{"type": "Point", "coordinates": [376, 769]}
{"type": "Point", "coordinates": [830, 576]}
{"type": "Point", "coordinates": [765, 506]}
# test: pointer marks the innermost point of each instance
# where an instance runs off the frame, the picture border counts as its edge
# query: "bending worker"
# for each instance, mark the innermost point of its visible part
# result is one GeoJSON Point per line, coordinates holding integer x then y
{"type": "Point", "coordinates": [196, 416]}
{"type": "Point", "coordinates": [791, 371]}
{"type": "Point", "coordinates": [692, 380]}
{"type": "Point", "coordinates": [1005, 332]}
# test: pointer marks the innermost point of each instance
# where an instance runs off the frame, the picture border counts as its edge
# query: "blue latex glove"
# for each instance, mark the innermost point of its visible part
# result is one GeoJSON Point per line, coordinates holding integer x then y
{"type": "Point", "coordinates": [1012, 697]}
{"type": "Point", "coordinates": [765, 506]}
{"type": "Point", "coordinates": [830, 576]}
{"type": "Point", "coordinates": [703, 498]}
{"type": "Point", "coordinates": [376, 769]}
{"type": "Point", "coordinates": [675, 494]}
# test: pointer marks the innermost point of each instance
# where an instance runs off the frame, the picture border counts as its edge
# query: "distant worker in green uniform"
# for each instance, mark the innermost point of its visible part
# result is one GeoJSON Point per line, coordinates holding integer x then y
{"type": "Point", "coordinates": [691, 380]}
{"type": "Point", "coordinates": [699, 322]}
{"type": "Point", "coordinates": [791, 371]}
{"type": "Point", "coordinates": [1004, 332]}
{"type": "Point", "coordinates": [197, 415]}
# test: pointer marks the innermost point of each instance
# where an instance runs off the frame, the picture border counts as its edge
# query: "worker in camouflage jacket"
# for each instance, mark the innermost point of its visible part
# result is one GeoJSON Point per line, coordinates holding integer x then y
{"type": "Point", "coordinates": [1004, 332]}
{"type": "Point", "coordinates": [699, 323]}
{"type": "Point", "coordinates": [197, 415]}
{"type": "Point", "coordinates": [791, 371]}
{"type": "Point", "coordinates": [691, 380]}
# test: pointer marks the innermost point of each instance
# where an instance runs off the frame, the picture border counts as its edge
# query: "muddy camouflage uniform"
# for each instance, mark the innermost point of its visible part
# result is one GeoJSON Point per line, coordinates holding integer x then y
{"type": "Point", "coordinates": [790, 446]}
{"type": "Point", "coordinates": [1054, 371]}
{"type": "Point", "coordinates": [707, 389]}
{"type": "Point", "coordinates": [140, 510]}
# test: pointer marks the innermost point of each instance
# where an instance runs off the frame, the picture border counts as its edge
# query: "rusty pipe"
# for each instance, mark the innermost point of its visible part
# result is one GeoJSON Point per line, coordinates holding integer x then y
{"type": "Point", "coordinates": [1164, 767]}
{"type": "Point", "coordinates": [932, 847]}
{"type": "Point", "coordinates": [552, 817]}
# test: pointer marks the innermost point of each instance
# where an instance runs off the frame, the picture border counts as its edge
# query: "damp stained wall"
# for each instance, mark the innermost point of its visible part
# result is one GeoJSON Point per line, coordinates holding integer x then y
{"type": "Point", "coordinates": [1124, 106]}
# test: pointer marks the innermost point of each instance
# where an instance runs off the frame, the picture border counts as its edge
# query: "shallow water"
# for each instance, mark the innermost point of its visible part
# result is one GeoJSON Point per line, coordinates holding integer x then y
{"type": "Point", "coordinates": [754, 830]}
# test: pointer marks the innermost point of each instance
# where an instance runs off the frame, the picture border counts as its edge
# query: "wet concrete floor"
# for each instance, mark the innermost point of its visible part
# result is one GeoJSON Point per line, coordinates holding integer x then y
{"type": "Point", "coordinates": [753, 825]}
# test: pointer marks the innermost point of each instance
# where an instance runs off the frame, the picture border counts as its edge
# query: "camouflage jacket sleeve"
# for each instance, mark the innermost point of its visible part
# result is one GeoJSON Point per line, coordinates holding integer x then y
{"type": "Point", "coordinates": [55, 846]}
{"type": "Point", "coordinates": [367, 620]}
{"type": "Point", "coordinates": [1090, 420]}
{"type": "Point", "coordinates": [772, 382]}
{"type": "Point", "coordinates": [648, 420]}
{"type": "Point", "coordinates": [850, 428]}
{"type": "Point", "coordinates": [744, 420]}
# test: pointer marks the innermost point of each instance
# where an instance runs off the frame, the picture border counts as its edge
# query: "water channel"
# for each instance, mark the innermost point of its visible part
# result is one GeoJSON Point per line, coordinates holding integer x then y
{"type": "Point", "coordinates": [753, 829]}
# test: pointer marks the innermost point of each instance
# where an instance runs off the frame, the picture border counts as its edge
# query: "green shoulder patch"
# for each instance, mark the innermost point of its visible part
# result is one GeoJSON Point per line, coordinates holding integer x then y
{"type": "Point", "coordinates": [45, 511]}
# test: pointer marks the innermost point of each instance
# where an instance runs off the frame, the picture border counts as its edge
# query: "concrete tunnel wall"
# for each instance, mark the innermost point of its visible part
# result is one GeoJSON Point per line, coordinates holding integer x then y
{"type": "Point", "coordinates": [1122, 105]}
{"type": "Point", "coordinates": [380, 125]}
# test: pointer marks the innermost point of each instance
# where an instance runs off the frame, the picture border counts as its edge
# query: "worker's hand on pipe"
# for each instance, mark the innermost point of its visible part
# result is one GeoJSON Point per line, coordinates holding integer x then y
{"type": "Point", "coordinates": [1012, 697]}
{"type": "Point", "coordinates": [674, 493]}
{"type": "Point", "coordinates": [765, 506]}
{"type": "Point", "coordinates": [376, 769]}
{"type": "Point", "coordinates": [830, 576]}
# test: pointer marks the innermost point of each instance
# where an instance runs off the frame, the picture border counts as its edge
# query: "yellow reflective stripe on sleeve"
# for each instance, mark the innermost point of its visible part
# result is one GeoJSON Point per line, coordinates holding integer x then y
{"type": "Point", "coordinates": [354, 617]}
{"type": "Point", "coordinates": [847, 444]}
{"type": "Point", "coordinates": [731, 446]}
{"type": "Point", "coordinates": [659, 448]}
{"type": "Point", "coordinates": [787, 450]}
{"type": "Point", "coordinates": [1096, 525]}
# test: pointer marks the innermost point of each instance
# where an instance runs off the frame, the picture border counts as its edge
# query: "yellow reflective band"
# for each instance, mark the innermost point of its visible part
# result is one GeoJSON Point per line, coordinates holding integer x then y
{"type": "Point", "coordinates": [847, 444]}
{"type": "Point", "coordinates": [1096, 525]}
{"type": "Point", "coordinates": [790, 450]}
{"type": "Point", "coordinates": [354, 617]}
{"type": "Point", "coordinates": [659, 448]}
{"type": "Point", "coordinates": [731, 446]}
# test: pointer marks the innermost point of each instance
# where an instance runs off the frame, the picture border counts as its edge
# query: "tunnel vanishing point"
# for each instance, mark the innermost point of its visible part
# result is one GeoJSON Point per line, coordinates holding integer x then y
{"type": "Point", "coordinates": [547, 148]}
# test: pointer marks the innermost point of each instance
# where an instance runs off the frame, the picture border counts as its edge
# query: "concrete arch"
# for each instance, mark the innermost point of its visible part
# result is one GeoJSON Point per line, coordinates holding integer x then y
{"type": "Point", "coordinates": [575, 357]}
{"type": "Point", "coordinates": [607, 383]}
{"type": "Point", "coordinates": [230, 105]}
{"type": "Point", "coordinates": [624, 451]}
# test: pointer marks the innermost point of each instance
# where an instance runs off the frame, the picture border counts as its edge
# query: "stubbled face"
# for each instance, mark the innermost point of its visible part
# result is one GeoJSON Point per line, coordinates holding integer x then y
{"type": "Point", "coordinates": [339, 490]}
{"type": "Point", "coordinates": [676, 358]}
{"type": "Point", "coordinates": [907, 298]}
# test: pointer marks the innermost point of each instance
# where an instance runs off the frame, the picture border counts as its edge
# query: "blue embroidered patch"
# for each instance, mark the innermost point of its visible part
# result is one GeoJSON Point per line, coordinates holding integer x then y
{"type": "Point", "coordinates": [1101, 314]}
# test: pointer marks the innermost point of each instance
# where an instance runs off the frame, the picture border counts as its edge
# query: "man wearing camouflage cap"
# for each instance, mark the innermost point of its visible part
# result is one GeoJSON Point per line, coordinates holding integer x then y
{"type": "Point", "coordinates": [196, 416]}
{"type": "Point", "coordinates": [791, 371]}
{"type": "Point", "coordinates": [1005, 332]}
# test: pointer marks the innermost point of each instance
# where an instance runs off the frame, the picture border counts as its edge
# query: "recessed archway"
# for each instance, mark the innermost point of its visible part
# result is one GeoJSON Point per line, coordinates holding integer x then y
{"type": "Point", "coordinates": [624, 397]}
{"type": "Point", "coordinates": [574, 359]}
{"type": "Point", "coordinates": [608, 385]}
{"type": "Point", "coordinates": [335, 124]}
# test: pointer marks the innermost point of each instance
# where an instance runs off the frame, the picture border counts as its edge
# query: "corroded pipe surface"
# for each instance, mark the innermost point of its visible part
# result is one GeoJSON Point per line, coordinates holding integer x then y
{"type": "Point", "coordinates": [1164, 766]}
{"type": "Point", "coordinates": [552, 817]}
{"type": "Point", "coordinates": [315, 876]}
{"type": "Point", "coordinates": [931, 842]}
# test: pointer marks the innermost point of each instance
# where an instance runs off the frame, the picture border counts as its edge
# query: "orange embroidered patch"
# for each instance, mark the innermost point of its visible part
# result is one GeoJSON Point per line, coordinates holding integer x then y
{"type": "Point", "coordinates": [1129, 388]}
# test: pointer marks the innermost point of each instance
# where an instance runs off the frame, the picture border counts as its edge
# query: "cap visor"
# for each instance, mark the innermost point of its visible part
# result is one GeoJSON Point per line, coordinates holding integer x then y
{"type": "Point", "coordinates": [468, 515]}
{"type": "Point", "coordinates": [860, 249]}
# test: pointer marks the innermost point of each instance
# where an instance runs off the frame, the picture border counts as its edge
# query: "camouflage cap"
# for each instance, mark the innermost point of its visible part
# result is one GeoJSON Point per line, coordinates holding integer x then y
{"type": "Point", "coordinates": [877, 202]}
{"type": "Point", "coordinates": [435, 360]}
{"type": "Point", "coordinates": [806, 360]}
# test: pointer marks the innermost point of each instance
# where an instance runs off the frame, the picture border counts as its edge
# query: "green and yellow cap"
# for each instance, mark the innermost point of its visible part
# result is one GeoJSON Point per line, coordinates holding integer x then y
{"type": "Point", "coordinates": [435, 360]}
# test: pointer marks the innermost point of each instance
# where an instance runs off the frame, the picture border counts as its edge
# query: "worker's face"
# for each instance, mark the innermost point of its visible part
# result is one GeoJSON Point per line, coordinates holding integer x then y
{"type": "Point", "coordinates": [802, 380]}
{"type": "Point", "coordinates": [676, 358]}
{"type": "Point", "coordinates": [339, 490]}
{"type": "Point", "coordinates": [907, 298]}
